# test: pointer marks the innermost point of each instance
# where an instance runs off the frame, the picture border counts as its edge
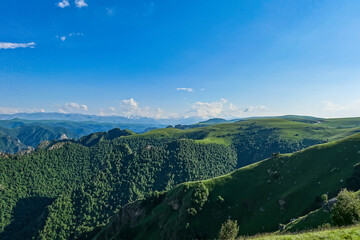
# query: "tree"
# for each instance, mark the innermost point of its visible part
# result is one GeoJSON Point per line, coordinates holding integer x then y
{"type": "Point", "coordinates": [229, 230]}
{"type": "Point", "coordinates": [346, 210]}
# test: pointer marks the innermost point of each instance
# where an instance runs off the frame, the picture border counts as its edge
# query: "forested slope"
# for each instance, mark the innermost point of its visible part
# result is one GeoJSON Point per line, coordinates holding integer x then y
{"type": "Point", "coordinates": [66, 188]}
{"type": "Point", "coordinates": [259, 196]}
{"type": "Point", "coordinates": [85, 185]}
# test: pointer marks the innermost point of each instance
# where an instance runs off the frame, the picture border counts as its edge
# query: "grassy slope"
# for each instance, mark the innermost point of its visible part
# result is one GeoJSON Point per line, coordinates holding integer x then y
{"type": "Point", "coordinates": [257, 139]}
{"type": "Point", "coordinates": [334, 234]}
{"type": "Point", "coordinates": [251, 194]}
{"type": "Point", "coordinates": [295, 129]}
{"type": "Point", "coordinates": [312, 220]}
{"type": "Point", "coordinates": [287, 129]}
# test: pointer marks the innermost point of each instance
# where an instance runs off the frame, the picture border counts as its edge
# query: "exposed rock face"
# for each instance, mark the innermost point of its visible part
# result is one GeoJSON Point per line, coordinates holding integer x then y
{"type": "Point", "coordinates": [26, 151]}
{"type": "Point", "coordinates": [57, 145]}
{"type": "Point", "coordinates": [63, 136]}
{"type": "Point", "coordinates": [282, 204]}
{"type": "Point", "coordinates": [174, 203]}
{"type": "Point", "coordinates": [131, 213]}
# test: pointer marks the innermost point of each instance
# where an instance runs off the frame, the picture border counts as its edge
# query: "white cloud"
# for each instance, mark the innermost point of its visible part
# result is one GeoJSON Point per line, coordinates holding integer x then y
{"type": "Point", "coordinates": [255, 109]}
{"type": "Point", "coordinates": [185, 89]}
{"type": "Point", "coordinates": [110, 11]}
{"type": "Point", "coordinates": [80, 3]}
{"type": "Point", "coordinates": [12, 110]}
{"type": "Point", "coordinates": [63, 4]}
{"type": "Point", "coordinates": [329, 106]}
{"type": "Point", "coordinates": [130, 108]}
{"type": "Point", "coordinates": [8, 45]}
{"type": "Point", "coordinates": [349, 109]}
{"type": "Point", "coordinates": [76, 34]}
{"type": "Point", "coordinates": [72, 108]}
{"type": "Point", "coordinates": [206, 110]}
{"type": "Point", "coordinates": [64, 37]}
{"type": "Point", "coordinates": [221, 108]}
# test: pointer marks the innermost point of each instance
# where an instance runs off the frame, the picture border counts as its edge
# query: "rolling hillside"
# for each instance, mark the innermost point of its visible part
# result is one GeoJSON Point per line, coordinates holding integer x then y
{"type": "Point", "coordinates": [68, 187]}
{"type": "Point", "coordinates": [259, 196]}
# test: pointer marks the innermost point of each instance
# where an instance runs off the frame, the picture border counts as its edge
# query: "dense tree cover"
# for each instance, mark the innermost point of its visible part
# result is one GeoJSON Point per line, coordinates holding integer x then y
{"type": "Point", "coordinates": [256, 142]}
{"type": "Point", "coordinates": [86, 185]}
{"type": "Point", "coordinates": [259, 197]}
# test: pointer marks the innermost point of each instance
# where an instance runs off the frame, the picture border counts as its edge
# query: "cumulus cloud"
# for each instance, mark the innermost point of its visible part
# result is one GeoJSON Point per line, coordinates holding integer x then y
{"type": "Point", "coordinates": [185, 89]}
{"type": "Point", "coordinates": [72, 108]}
{"type": "Point", "coordinates": [206, 110]}
{"type": "Point", "coordinates": [9, 45]}
{"type": "Point", "coordinates": [130, 108]}
{"type": "Point", "coordinates": [80, 3]}
{"type": "Point", "coordinates": [222, 108]}
{"type": "Point", "coordinates": [63, 4]}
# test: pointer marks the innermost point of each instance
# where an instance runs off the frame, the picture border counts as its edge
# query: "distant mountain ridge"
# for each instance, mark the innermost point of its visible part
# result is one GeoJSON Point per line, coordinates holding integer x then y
{"type": "Point", "coordinates": [19, 134]}
{"type": "Point", "coordinates": [79, 117]}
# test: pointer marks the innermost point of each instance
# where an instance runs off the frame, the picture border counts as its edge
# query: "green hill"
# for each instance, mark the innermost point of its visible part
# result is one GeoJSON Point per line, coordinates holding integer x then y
{"type": "Point", "coordinates": [66, 188]}
{"type": "Point", "coordinates": [259, 196]}
{"type": "Point", "coordinates": [257, 139]}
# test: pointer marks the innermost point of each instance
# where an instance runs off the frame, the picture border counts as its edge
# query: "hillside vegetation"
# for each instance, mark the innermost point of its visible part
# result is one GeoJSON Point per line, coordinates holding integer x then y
{"type": "Point", "coordinates": [260, 196]}
{"type": "Point", "coordinates": [67, 188]}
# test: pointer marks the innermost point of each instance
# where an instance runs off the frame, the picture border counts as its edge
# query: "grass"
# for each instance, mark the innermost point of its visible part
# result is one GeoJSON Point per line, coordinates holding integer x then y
{"type": "Point", "coordinates": [352, 232]}
{"type": "Point", "coordinates": [312, 220]}
{"type": "Point", "coordinates": [252, 194]}
{"type": "Point", "coordinates": [284, 128]}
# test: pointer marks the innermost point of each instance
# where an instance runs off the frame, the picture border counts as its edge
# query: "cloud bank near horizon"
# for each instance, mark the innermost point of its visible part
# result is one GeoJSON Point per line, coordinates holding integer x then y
{"type": "Point", "coordinates": [222, 108]}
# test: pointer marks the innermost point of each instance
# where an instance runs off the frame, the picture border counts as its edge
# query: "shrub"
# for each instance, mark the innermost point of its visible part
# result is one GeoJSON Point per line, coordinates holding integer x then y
{"type": "Point", "coordinates": [324, 199]}
{"type": "Point", "coordinates": [219, 199]}
{"type": "Point", "coordinates": [346, 210]}
{"type": "Point", "coordinates": [229, 230]}
{"type": "Point", "coordinates": [191, 211]}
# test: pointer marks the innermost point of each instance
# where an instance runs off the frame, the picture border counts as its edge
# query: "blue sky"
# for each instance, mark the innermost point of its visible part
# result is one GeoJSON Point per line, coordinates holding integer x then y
{"type": "Point", "coordinates": [180, 58]}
